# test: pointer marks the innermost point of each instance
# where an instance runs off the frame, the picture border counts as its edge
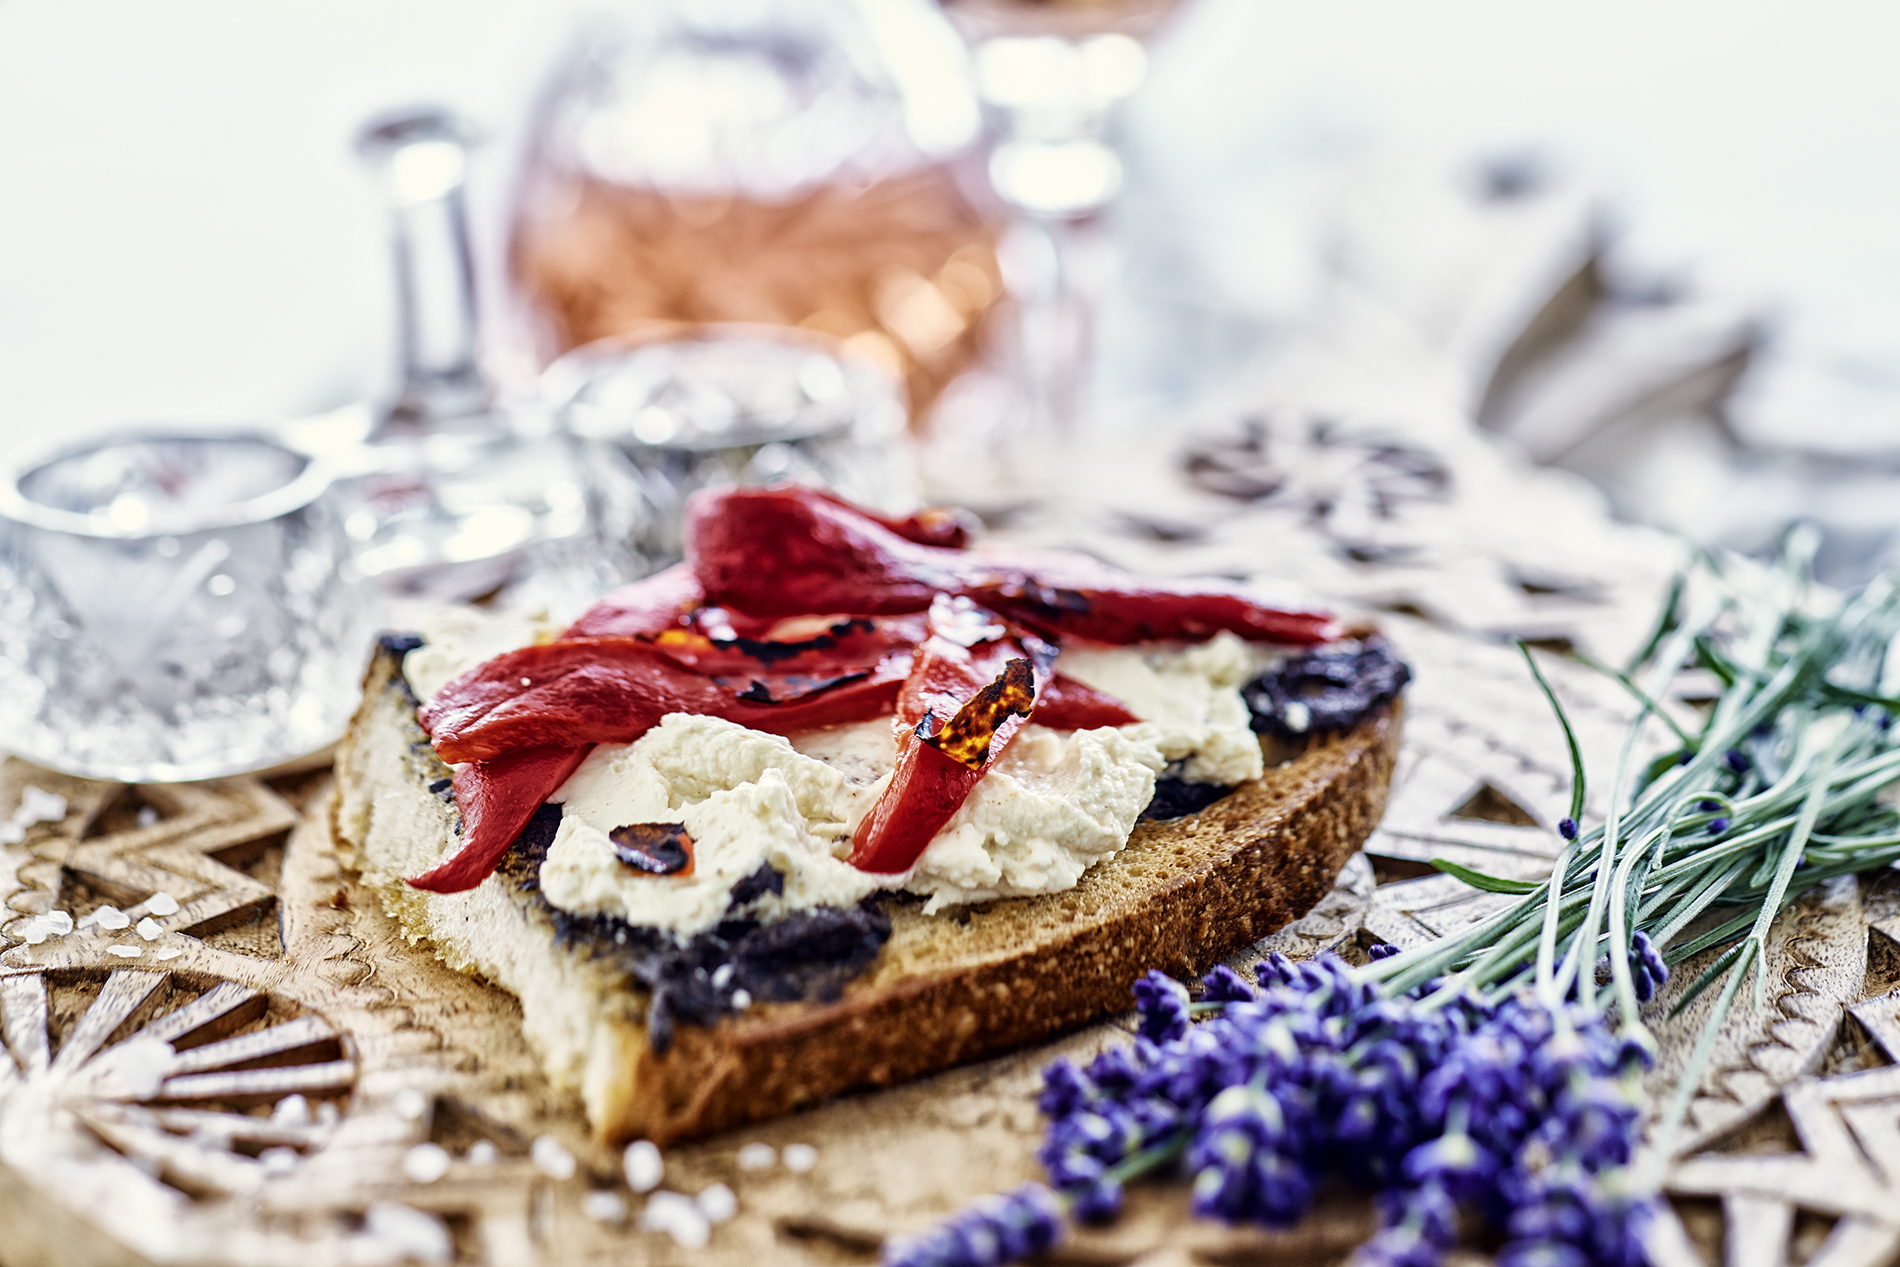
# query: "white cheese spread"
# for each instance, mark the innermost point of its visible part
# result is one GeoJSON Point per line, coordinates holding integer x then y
{"type": "Point", "coordinates": [1054, 804]}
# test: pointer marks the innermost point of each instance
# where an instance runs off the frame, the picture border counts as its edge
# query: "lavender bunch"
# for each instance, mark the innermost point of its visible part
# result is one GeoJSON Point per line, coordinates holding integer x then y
{"type": "Point", "coordinates": [1521, 1116]}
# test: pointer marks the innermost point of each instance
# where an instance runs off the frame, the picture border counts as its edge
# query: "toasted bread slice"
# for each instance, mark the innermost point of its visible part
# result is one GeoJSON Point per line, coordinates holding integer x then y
{"type": "Point", "coordinates": [946, 988]}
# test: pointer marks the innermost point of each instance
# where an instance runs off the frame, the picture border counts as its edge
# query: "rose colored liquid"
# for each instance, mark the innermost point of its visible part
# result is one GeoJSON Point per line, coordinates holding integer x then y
{"type": "Point", "coordinates": [1071, 19]}
{"type": "Point", "coordinates": [902, 268]}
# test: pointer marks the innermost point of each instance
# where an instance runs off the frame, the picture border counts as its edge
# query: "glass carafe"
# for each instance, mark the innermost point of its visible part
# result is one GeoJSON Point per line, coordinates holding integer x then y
{"type": "Point", "coordinates": [792, 162]}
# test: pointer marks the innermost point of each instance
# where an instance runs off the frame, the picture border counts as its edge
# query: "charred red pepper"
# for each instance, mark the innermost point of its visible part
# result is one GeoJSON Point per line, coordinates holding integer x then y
{"type": "Point", "coordinates": [665, 600]}
{"type": "Point", "coordinates": [1066, 704]}
{"type": "Point", "coordinates": [961, 707]}
{"type": "Point", "coordinates": [497, 798]}
{"type": "Point", "coordinates": [613, 690]}
{"type": "Point", "coordinates": [787, 550]}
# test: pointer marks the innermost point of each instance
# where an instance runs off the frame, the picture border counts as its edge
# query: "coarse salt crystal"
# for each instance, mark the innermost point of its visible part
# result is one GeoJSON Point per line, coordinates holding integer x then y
{"type": "Point", "coordinates": [411, 1104]}
{"type": "Point", "coordinates": [717, 1203]}
{"type": "Point", "coordinates": [279, 1161]}
{"type": "Point", "coordinates": [741, 1000]}
{"type": "Point", "coordinates": [426, 1163]}
{"type": "Point", "coordinates": [756, 1156]}
{"type": "Point", "coordinates": [407, 1234]}
{"type": "Point", "coordinates": [482, 1153]}
{"type": "Point", "coordinates": [292, 1110]}
{"type": "Point", "coordinates": [149, 930]}
{"type": "Point", "coordinates": [12, 832]}
{"type": "Point", "coordinates": [147, 816]}
{"type": "Point", "coordinates": [31, 931]}
{"type": "Point", "coordinates": [58, 923]}
{"type": "Point", "coordinates": [721, 975]}
{"type": "Point", "coordinates": [328, 1114]}
{"type": "Point", "coordinates": [169, 952]}
{"type": "Point", "coordinates": [37, 806]}
{"type": "Point", "coordinates": [643, 1165]}
{"type": "Point", "coordinates": [551, 1159]}
{"type": "Point", "coordinates": [111, 918]}
{"type": "Point", "coordinates": [162, 904]}
{"type": "Point", "coordinates": [125, 952]}
{"type": "Point", "coordinates": [604, 1207]}
{"type": "Point", "coordinates": [799, 1158]}
{"type": "Point", "coordinates": [679, 1216]}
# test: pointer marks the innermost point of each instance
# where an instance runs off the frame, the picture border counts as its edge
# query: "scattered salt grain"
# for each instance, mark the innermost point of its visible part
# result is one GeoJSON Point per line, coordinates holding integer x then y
{"type": "Point", "coordinates": [679, 1216]}
{"type": "Point", "coordinates": [551, 1159]}
{"type": "Point", "coordinates": [741, 1000]}
{"type": "Point", "coordinates": [408, 1233]}
{"type": "Point", "coordinates": [149, 930]}
{"type": "Point", "coordinates": [37, 806]}
{"type": "Point", "coordinates": [32, 931]}
{"type": "Point", "coordinates": [718, 1204]}
{"type": "Point", "coordinates": [139, 1066]}
{"type": "Point", "coordinates": [604, 1207]}
{"type": "Point", "coordinates": [58, 923]}
{"type": "Point", "coordinates": [111, 918]}
{"type": "Point", "coordinates": [125, 952]}
{"type": "Point", "coordinates": [482, 1153]}
{"type": "Point", "coordinates": [292, 1110]}
{"type": "Point", "coordinates": [426, 1163]}
{"type": "Point", "coordinates": [721, 975]}
{"type": "Point", "coordinates": [757, 1156]}
{"type": "Point", "coordinates": [11, 833]}
{"type": "Point", "coordinates": [643, 1165]}
{"type": "Point", "coordinates": [170, 952]}
{"type": "Point", "coordinates": [328, 1114]}
{"type": "Point", "coordinates": [162, 904]}
{"type": "Point", "coordinates": [800, 1158]}
{"type": "Point", "coordinates": [411, 1104]}
{"type": "Point", "coordinates": [147, 816]}
{"type": "Point", "coordinates": [279, 1161]}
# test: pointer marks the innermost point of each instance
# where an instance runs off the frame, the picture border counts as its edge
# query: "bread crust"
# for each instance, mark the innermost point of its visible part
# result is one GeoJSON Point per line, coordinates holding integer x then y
{"type": "Point", "coordinates": [946, 989]}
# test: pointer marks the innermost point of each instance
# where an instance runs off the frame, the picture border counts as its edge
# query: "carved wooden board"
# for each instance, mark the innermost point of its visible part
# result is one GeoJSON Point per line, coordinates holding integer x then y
{"type": "Point", "coordinates": [273, 1076]}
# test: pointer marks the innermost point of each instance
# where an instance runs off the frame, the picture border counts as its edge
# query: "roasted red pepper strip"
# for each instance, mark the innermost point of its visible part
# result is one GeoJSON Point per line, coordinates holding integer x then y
{"type": "Point", "coordinates": [783, 551]}
{"type": "Point", "coordinates": [497, 798]}
{"type": "Point", "coordinates": [665, 600]}
{"type": "Point", "coordinates": [1066, 704]}
{"type": "Point", "coordinates": [613, 690]}
{"type": "Point", "coordinates": [961, 707]}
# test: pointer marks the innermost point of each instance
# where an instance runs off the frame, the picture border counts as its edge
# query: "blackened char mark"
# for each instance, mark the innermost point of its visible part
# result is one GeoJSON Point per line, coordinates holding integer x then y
{"type": "Point", "coordinates": [1177, 798]}
{"type": "Point", "coordinates": [1325, 691]}
{"type": "Point", "coordinates": [767, 879]}
{"type": "Point", "coordinates": [654, 848]}
{"type": "Point", "coordinates": [769, 653]}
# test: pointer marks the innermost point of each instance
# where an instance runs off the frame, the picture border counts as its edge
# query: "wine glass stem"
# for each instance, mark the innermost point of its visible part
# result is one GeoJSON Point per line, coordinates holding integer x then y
{"type": "Point", "coordinates": [435, 287]}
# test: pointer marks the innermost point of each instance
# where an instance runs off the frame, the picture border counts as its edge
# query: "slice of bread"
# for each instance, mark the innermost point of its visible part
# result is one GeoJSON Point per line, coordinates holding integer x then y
{"type": "Point", "coordinates": [945, 989]}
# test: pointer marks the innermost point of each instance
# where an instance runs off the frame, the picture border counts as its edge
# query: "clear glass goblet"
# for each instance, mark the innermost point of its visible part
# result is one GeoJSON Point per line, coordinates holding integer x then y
{"type": "Point", "coordinates": [174, 607]}
{"type": "Point", "coordinates": [729, 404]}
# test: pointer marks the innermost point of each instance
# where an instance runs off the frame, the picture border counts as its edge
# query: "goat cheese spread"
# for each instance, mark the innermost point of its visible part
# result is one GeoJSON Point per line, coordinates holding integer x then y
{"type": "Point", "coordinates": [1053, 804]}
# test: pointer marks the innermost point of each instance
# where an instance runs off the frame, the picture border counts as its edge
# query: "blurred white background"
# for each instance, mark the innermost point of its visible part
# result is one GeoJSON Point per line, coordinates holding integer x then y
{"type": "Point", "coordinates": [185, 232]}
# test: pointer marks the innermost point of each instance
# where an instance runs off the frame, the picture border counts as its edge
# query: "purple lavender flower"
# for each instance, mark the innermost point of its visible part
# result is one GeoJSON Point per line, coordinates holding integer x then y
{"type": "Point", "coordinates": [1567, 828]}
{"type": "Point", "coordinates": [1718, 826]}
{"type": "Point", "coordinates": [986, 1233]}
{"type": "Point", "coordinates": [1737, 760]}
{"type": "Point", "coordinates": [1064, 1089]}
{"type": "Point", "coordinates": [1098, 1203]}
{"type": "Point", "coordinates": [1224, 985]}
{"type": "Point", "coordinates": [1163, 1004]}
{"type": "Point", "coordinates": [1651, 971]}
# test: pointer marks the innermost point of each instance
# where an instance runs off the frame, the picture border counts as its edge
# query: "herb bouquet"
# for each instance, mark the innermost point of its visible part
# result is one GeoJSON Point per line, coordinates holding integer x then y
{"type": "Point", "coordinates": [1495, 1074]}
